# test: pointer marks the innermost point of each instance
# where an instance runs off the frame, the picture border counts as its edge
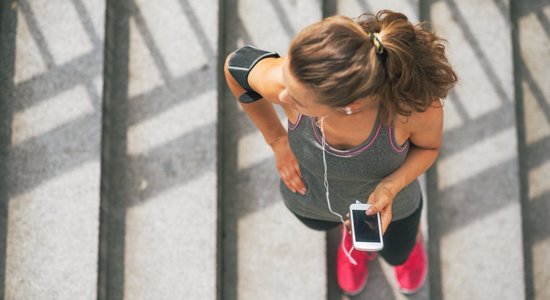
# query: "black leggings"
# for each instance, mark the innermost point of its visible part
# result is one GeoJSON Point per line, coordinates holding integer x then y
{"type": "Point", "coordinates": [399, 238]}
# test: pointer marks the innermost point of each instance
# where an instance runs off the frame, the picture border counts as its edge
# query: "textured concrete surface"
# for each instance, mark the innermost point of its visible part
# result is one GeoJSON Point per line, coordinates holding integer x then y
{"type": "Point", "coordinates": [532, 19]}
{"type": "Point", "coordinates": [268, 253]}
{"type": "Point", "coordinates": [52, 158]}
{"type": "Point", "coordinates": [160, 206]}
{"type": "Point", "coordinates": [475, 196]}
{"type": "Point", "coordinates": [134, 162]}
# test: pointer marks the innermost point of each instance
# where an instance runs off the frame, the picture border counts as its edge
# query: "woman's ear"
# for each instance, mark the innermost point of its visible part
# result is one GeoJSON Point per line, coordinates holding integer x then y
{"type": "Point", "coordinates": [352, 107]}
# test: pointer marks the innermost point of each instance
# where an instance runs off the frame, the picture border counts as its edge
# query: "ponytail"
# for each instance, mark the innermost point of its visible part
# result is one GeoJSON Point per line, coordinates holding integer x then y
{"type": "Point", "coordinates": [383, 56]}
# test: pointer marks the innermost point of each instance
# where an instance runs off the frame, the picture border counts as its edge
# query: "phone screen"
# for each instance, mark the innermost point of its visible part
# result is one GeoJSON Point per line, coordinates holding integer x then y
{"type": "Point", "coordinates": [366, 227]}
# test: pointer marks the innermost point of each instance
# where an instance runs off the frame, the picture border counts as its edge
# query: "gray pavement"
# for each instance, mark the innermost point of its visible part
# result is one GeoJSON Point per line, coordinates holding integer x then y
{"type": "Point", "coordinates": [159, 199]}
{"type": "Point", "coordinates": [532, 45]}
{"type": "Point", "coordinates": [51, 162]}
{"type": "Point", "coordinates": [476, 215]}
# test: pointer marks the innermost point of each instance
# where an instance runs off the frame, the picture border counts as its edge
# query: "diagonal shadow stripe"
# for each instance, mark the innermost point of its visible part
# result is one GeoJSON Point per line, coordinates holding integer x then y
{"type": "Point", "coordinates": [523, 8]}
{"type": "Point", "coordinates": [537, 217]}
{"type": "Point", "coordinates": [477, 130]}
{"type": "Point", "coordinates": [544, 22]}
{"type": "Point", "coordinates": [537, 153]}
{"type": "Point", "coordinates": [468, 204]}
{"type": "Point", "coordinates": [37, 34]}
{"type": "Point", "coordinates": [243, 32]}
{"type": "Point", "coordinates": [200, 33]}
{"type": "Point", "coordinates": [157, 56]}
{"type": "Point", "coordinates": [283, 18]}
{"type": "Point", "coordinates": [365, 6]}
{"type": "Point", "coordinates": [59, 158]}
{"type": "Point", "coordinates": [187, 87]}
{"type": "Point", "coordinates": [503, 8]}
{"type": "Point", "coordinates": [81, 70]}
{"type": "Point", "coordinates": [480, 55]}
{"type": "Point", "coordinates": [86, 22]}
{"type": "Point", "coordinates": [458, 104]}
{"type": "Point", "coordinates": [173, 164]}
{"type": "Point", "coordinates": [535, 90]}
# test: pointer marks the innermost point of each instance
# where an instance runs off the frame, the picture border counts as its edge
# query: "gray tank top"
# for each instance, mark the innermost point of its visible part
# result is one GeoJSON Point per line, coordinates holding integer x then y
{"type": "Point", "coordinates": [352, 174]}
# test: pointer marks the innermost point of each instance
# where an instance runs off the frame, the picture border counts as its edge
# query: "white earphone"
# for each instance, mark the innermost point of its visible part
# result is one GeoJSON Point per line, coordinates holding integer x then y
{"type": "Point", "coordinates": [347, 110]}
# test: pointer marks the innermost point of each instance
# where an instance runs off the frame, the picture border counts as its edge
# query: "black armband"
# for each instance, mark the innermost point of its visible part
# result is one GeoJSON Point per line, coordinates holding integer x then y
{"type": "Point", "coordinates": [241, 63]}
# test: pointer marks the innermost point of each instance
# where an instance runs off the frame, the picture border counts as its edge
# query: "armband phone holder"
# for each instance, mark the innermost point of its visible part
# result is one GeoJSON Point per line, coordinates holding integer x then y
{"type": "Point", "coordinates": [241, 63]}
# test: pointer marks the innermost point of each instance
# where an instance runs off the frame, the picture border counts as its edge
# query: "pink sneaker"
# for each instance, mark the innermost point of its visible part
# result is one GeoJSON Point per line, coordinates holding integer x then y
{"type": "Point", "coordinates": [412, 274]}
{"type": "Point", "coordinates": [352, 278]}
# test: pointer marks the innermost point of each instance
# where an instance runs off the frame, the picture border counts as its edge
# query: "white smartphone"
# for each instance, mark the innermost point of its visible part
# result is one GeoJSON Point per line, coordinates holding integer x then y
{"type": "Point", "coordinates": [366, 230]}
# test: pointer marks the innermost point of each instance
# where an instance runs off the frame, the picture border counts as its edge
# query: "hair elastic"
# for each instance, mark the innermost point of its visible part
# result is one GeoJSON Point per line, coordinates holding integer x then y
{"type": "Point", "coordinates": [375, 38]}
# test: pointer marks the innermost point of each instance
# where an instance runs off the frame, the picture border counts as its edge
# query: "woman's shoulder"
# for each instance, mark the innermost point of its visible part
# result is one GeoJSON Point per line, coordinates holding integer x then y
{"type": "Point", "coordinates": [422, 120]}
{"type": "Point", "coordinates": [266, 78]}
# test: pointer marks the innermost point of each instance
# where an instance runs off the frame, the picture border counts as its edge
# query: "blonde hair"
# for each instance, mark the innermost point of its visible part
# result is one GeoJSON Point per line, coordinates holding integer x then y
{"type": "Point", "coordinates": [383, 56]}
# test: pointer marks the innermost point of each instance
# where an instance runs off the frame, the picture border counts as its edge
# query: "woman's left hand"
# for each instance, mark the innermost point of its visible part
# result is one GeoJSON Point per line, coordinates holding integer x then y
{"type": "Point", "coordinates": [381, 200]}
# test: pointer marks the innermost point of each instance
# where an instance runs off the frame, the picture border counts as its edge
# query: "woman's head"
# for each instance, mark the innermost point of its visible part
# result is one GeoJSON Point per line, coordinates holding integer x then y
{"type": "Point", "coordinates": [338, 61]}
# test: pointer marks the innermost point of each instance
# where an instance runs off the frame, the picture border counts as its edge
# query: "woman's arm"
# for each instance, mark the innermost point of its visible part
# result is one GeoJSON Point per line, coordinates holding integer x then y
{"type": "Point", "coordinates": [266, 79]}
{"type": "Point", "coordinates": [261, 113]}
{"type": "Point", "coordinates": [425, 137]}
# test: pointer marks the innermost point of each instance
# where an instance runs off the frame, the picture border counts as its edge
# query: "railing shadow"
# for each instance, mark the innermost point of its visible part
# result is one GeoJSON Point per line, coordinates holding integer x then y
{"type": "Point", "coordinates": [531, 32]}
{"type": "Point", "coordinates": [147, 158]}
{"type": "Point", "coordinates": [176, 160]}
{"type": "Point", "coordinates": [8, 25]}
{"type": "Point", "coordinates": [32, 157]}
{"type": "Point", "coordinates": [470, 204]}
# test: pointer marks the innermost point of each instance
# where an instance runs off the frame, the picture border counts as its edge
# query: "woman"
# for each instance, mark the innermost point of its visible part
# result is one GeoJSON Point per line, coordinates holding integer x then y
{"type": "Point", "coordinates": [363, 100]}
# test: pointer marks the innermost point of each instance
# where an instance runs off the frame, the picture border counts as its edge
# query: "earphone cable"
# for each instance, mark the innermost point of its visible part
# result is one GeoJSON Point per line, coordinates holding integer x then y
{"type": "Point", "coordinates": [327, 194]}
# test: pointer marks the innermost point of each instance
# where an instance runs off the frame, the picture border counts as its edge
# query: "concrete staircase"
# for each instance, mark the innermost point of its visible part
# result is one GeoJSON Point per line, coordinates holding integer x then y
{"type": "Point", "coordinates": [128, 172]}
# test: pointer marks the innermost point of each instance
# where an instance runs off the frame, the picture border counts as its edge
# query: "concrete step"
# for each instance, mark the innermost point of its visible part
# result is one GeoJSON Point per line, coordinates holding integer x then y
{"type": "Point", "coordinates": [532, 49]}
{"type": "Point", "coordinates": [140, 189]}
{"type": "Point", "coordinates": [268, 253]}
{"type": "Point", "coordinates": [475, 218]}
{"type": "Point", "coordinates": [159, 198]}
{"type": "Point", "coordinates": [51, 99]}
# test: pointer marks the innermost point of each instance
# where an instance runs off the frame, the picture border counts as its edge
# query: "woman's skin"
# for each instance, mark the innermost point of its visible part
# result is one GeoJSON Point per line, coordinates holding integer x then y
{"type": "Point", "coordinates": [272, 79]}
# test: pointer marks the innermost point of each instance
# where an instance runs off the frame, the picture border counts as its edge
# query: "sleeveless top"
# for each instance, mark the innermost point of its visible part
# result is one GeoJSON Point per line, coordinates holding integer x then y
{"type": "Point", "coordinates": [352, 174]}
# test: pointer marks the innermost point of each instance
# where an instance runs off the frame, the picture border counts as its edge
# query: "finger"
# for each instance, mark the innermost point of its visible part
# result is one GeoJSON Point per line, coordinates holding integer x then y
{"type": "Point", "coordinates": [300, 186]}
{"type": "Point", "coordinates": [374, 206]}
{"type": "Point", "coordinates": [347, 223]}
{"type": "Point", "coordinates": [284, 173]}
{"type": "Point", "coordinates": [377, 204]}
{"type": "Point", "coordinates": [298, 183]}
{"type": "Point", "coordinates": [288, 184]}
{"type": "Point", "coordinates": [297, 169]}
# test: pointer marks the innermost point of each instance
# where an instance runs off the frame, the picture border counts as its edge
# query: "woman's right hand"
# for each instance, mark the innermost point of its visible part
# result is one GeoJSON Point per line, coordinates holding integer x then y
{"type": "Point", "coordinates": [287, 165]}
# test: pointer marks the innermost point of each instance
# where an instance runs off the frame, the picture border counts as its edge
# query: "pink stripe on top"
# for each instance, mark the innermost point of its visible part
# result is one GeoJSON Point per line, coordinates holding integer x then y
{"type": "Point", "coordinates": [397, 149]}
{"type": "Point", "coordinates": [346, 153]}
{"type": "Point", "coordinates": [293, 126]}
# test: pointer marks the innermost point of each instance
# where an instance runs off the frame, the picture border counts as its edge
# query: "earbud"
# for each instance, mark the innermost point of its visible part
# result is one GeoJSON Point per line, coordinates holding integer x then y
{"type": "Point", "coordinates": [348, 110]}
